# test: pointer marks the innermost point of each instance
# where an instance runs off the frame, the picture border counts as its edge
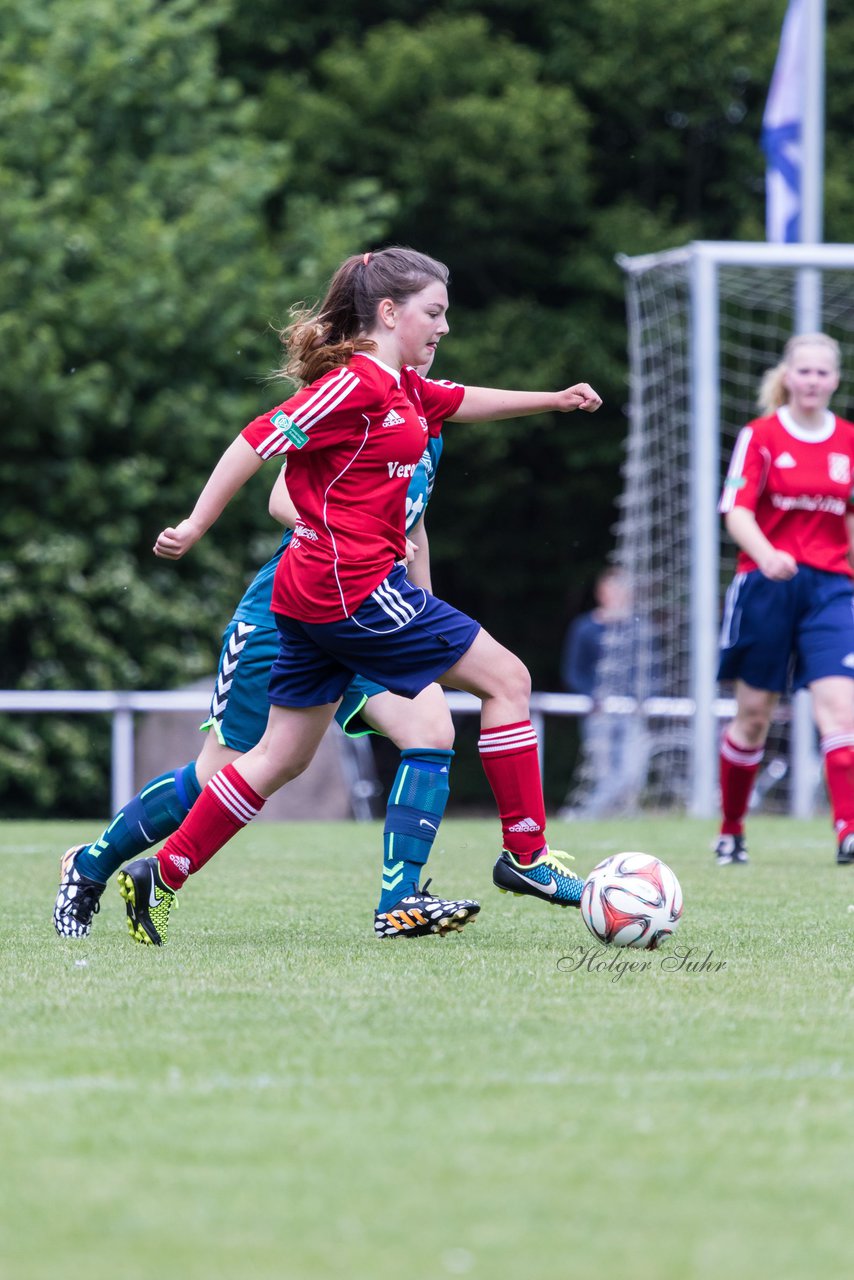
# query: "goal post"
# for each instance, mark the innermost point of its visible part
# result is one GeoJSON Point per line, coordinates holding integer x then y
{"type": "Point", "coordinates": [704, 323]}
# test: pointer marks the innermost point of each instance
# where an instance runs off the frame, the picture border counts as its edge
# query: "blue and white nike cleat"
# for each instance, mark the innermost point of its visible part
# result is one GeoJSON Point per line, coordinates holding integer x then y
{"type": "Point", "coordinates": [547, 878]}
{"type": "Point", "coordinates": [148, 901]}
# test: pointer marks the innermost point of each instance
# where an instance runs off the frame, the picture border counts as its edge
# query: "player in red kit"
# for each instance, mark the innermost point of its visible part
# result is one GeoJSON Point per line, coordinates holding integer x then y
{"type": "Point", "coordinates": [352, 437]}
{"type": "Point", "coordinates": [789, 612]}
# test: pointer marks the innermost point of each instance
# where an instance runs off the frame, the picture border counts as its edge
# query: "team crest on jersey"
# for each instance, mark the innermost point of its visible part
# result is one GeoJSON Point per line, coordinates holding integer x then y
{"type": "Point", "coordinates": [839, 466]}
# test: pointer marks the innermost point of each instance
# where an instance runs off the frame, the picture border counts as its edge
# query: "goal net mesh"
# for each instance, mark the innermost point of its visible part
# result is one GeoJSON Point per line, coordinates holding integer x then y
{"type": "Point", "coordinates": [648, 655]}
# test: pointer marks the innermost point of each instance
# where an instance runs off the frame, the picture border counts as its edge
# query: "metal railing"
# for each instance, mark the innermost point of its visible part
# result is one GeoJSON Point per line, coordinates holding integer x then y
{"type": "Point", "coordinates": [123, 705]}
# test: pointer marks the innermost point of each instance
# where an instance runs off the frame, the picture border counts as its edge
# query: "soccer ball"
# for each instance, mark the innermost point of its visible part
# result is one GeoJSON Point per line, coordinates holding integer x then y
{"type": "Point", "coordinates": [631, 900]}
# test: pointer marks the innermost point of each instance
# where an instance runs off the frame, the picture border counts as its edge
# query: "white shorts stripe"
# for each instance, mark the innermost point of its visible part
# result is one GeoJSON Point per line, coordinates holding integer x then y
{"type": "Point", "coordinates": [392, 603]}
{"type": "Point", "coordinates": [726, 637]}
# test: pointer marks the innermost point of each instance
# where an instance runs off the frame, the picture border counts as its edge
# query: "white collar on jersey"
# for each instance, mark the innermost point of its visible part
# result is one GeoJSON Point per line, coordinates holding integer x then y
{"type": "Point", "coordinates": [395, 373]}
{"type": "Point", "coordinates": [824, 432]}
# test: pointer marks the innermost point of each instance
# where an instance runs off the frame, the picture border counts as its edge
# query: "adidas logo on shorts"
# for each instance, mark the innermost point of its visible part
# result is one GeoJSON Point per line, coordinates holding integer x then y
{"type": "Point", "coordinates": [393, 419]}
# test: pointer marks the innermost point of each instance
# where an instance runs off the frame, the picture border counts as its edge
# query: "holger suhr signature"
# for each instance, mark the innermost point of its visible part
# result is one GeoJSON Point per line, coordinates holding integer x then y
{"type": "Point", "coordinates": [618, 962]}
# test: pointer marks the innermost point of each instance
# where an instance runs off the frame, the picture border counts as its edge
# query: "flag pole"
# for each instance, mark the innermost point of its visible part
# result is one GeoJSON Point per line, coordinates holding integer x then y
{"type": "Point", "coordinates": [808, 319]}
{"type": "Point", "coordinates": [812, 143]}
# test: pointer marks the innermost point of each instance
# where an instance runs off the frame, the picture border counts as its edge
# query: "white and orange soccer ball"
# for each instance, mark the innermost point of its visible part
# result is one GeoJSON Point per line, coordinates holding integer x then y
{"type": "Point", "coordinates": [631, 900]}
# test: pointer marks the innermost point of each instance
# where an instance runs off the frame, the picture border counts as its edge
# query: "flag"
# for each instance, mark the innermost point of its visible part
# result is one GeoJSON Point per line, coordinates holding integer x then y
{"type": "Point", "coordinates": [782, 130]}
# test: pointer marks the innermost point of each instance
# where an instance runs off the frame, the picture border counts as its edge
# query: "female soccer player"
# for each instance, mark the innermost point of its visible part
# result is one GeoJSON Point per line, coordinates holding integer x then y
{"type": "Point", "coordinates": [353, 436]}
{"type": "Point", "coordinates": [787, 500]}
{"type": "Point", "coordinates": [421, 728]}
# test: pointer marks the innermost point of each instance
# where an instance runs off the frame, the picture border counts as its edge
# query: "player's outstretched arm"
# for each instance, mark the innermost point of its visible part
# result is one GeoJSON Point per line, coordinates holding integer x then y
{"type": "Point", "coordinates": [484, 404]}
{"type": "Point", "coordinates": [237, 464]}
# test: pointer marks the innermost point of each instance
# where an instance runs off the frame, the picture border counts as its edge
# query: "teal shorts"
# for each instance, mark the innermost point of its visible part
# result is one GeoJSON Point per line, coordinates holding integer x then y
{"type": "Point", "coordinates": [349, 714]}
{"type": "Point", "coordinates": [239, 703]}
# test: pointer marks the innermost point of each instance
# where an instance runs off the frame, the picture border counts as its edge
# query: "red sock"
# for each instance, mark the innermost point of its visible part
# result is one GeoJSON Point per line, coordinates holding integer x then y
{"type": "Point", "coordinates": [511, 762]}
{"type": "Point", "coordinates": [225, 806]}
{"type": "Point", "coordinates": [739, 766]}
{"type": "Point", "coordinates": [838, 752]}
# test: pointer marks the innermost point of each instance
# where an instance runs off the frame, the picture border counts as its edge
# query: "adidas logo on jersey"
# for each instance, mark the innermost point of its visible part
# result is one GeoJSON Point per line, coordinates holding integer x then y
{"type": "Point", "coordinates": [527, 824]}
{"type": "Point", "coordinates": [785, 460]}
{"type": "Point", "coordinates": [393, 419]}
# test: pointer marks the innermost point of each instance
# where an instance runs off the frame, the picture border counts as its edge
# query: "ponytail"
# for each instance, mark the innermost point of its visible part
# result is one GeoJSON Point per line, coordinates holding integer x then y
{"type": "Point", "coordinates": [327, 336]}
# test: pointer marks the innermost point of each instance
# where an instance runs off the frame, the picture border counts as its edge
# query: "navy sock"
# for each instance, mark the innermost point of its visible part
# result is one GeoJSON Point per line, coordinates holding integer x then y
{"type": "Point", "coordinates": [416, 804]}
{"type": "Point", "coordinates": [152, 815]}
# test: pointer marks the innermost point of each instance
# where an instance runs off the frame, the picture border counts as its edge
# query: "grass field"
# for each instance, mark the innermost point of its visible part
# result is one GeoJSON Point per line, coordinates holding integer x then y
{"type": "Point", "coordinates": [275, 1094]}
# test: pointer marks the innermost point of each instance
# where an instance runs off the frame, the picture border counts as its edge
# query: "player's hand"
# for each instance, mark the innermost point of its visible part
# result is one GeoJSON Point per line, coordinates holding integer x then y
{"type": "Point", "coordinates": [172, 543]}
{"type": "Point", "coordinates": [779, 566]}
{"type": "Point", "coordinates": [581, 396]}
{"type": "Point", "coordinates": [411, 549]}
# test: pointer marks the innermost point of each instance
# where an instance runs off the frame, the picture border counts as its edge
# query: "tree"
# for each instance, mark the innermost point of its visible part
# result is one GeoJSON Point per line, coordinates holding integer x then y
{"type": "Point", "coordinates": [136, 293]}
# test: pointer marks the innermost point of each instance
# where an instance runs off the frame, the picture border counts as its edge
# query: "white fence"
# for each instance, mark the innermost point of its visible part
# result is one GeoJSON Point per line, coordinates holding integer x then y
{"type": "Point", "coordinates": [122, 706]}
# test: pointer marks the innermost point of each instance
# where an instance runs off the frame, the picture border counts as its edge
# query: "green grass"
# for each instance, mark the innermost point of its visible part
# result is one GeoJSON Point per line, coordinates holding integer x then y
{"type": "Point", "coordinates": [275, 1094]}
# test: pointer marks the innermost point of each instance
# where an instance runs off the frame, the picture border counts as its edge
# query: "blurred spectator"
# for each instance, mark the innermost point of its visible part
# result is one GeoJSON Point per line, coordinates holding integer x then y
{"type": "Point", "coordinates": [614, 743]}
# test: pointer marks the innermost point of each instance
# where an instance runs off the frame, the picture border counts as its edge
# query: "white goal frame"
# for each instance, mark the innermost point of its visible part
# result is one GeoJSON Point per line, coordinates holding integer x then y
{"type": "Point", "coordinates": [704, 261]}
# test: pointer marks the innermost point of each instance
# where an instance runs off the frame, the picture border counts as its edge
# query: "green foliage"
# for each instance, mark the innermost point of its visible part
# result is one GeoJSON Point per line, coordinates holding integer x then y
{"type": "Point", "coordinates": [139, 282]}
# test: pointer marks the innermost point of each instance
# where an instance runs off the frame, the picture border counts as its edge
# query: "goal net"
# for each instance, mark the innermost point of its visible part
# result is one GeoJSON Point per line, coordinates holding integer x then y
{"type": "Point", "coordinates": [704, 323]}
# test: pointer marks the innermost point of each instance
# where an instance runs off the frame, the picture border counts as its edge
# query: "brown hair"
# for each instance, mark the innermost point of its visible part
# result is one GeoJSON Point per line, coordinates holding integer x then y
{"type": "Point", "coordinates": [772, 392]}
{"type": "Point", "coordinates": [324, 337]}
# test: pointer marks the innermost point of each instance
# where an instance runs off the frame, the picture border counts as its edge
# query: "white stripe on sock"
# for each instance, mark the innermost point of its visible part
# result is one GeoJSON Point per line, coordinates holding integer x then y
{"type": "Point", "coordinates": [230, 797]}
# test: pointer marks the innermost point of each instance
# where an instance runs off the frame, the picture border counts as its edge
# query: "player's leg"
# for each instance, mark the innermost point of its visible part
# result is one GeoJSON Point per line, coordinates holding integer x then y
{"type": "Point", "coordinates": [230, 800]}
{"type": "Point", "coordinates": [833, 709]}
{"type": "Point", "coordinates": [150, 816]}
{"type": "Point", "coordinates": [824, 656]}
{"type": "Point", "coordinates": [405, 639]}
{"type": "Point", "coordinates": [758, 637]}
{"type": "Point", "coordinates": [423, 730]}
{"type": "Point", "coordinates": [741, 750]}
{"type": "Point", "coordinates": [509, 754]}
{"type": "Point", "coordinates": [238, 718]}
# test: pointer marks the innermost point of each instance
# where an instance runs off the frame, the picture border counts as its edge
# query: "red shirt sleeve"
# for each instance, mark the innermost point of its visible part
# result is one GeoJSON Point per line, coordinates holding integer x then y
{"type": "Point", "coordinates": [439, 399]}
{"type": "Point", "coordinates": [307, 418]}
{"type": "Point", "coordinates": [748, 472]}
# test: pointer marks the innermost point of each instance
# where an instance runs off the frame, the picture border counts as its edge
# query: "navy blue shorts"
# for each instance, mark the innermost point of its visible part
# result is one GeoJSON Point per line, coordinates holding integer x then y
{"type": "Point", "coordinates": [777, 634]}
{"type": "Point", "coordinates": [401, 637]}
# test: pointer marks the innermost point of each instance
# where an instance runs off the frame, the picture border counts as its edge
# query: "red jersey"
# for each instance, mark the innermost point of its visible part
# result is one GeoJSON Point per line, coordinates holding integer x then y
{"type": "Point", "coordinates": [798, 484]}
{"type": "Point", "coordinates": [353, 440]}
